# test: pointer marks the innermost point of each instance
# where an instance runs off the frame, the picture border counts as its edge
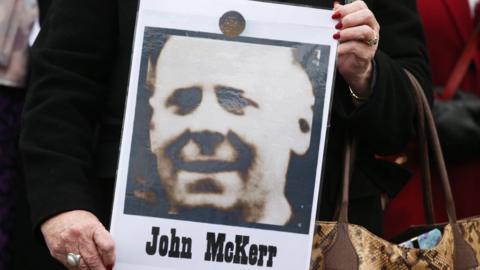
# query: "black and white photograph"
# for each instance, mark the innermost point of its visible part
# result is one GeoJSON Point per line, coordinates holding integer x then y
{"type": "Point", "coordinates": [226, 130]}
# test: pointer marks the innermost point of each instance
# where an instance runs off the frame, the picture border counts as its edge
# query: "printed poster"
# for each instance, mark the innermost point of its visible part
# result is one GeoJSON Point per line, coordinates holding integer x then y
{"type": "Point", "coordinates": [224, 136]}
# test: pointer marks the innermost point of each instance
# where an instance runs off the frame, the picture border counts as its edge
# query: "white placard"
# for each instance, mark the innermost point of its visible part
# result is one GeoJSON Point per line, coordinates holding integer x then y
{"type": "Point", "coordinates": [224, 137]}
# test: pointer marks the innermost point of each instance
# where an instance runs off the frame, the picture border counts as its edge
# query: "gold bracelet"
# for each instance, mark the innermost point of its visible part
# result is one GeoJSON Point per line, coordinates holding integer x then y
{"type": "Point", "coordinates": [357, 97]}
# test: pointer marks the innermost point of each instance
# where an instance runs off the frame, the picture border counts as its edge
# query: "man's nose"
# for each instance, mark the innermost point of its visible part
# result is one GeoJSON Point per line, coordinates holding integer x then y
{"type": "Point", "coordinates": [207, 141]}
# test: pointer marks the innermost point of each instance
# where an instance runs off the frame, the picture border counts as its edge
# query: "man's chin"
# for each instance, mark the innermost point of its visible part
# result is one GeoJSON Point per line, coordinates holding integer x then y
{"type": "Point", "coordinates": [221, 190]}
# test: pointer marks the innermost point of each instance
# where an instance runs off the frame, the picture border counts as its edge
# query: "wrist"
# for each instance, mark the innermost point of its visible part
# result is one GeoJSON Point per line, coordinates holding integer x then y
{"type": "Point", "coordinates": [356, 98]}
{"type": "Point", "coordinates": [361, 85]}
{"type": "Point", "coordinates": [362, 88]}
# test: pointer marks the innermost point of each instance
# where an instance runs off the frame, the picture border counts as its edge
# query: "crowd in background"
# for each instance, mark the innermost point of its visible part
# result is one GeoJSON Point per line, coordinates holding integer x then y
{"type": "Point", "coordinates": [448, 25]}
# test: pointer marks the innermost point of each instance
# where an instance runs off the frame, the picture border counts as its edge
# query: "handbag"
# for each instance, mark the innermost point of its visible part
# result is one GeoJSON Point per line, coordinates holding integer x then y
{"type": "Point", "coordinates": [457, 113]}
{"type": "Point", "coordinates": [342, 246]}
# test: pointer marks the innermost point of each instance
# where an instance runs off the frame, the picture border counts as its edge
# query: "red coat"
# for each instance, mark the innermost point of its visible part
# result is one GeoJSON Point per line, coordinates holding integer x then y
{"type": "Point", "coordinates": [448, 25]}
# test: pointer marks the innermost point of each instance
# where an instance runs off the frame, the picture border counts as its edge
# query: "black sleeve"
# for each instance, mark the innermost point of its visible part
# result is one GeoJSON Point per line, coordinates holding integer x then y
{"type": "Point", "coordinates": [386, 120]}
{"type": "Point", "coordinates": [70, 66]}
{"type": "Point", "coordinates": [43, 6]}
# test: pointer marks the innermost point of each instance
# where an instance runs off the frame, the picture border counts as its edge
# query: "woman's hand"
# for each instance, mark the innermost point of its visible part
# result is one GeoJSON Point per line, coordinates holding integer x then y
{"type": "Point", "coordinates": [358, 41]}
{"type": "Point", "coordinates": [81, 233]}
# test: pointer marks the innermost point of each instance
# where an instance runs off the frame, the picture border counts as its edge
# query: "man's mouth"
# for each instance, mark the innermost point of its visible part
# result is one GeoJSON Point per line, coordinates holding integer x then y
{"type": "Point", "coordinates": [221, 190]}
{"type": "Point", "coordinates": [206, 185]}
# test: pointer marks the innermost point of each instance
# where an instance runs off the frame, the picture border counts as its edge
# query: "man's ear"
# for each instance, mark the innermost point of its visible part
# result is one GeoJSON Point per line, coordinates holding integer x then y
{"type": "Point", "coordinates": [151, 75]}
{"type": "Point", "coordinates": [302, 138]}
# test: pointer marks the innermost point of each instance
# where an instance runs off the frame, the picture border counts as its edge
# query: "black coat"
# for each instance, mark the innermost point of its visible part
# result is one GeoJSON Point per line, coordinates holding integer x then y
{"type": "Point", "coordinates": [74, 110]}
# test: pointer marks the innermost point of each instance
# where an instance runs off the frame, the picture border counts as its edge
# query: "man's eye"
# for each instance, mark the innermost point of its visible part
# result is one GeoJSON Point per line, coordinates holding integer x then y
{"type": "Point", "coordinates": [232, 100]}
{"type": "Point", "coordinates": [185, 100]}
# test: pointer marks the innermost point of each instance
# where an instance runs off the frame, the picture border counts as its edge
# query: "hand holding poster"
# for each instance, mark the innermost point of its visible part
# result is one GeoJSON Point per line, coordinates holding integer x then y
{"type": "Point", "coordinates": [223, 136]}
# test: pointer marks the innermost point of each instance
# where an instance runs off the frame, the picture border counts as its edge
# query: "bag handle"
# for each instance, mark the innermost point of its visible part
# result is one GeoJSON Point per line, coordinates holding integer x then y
{"type": "Point", "coordinates": [464, 256]}
{"type": "Point", "coordinates": [431, 129]}
{"type": "Point", "coordinates": [424, 114]}
{"type": "Point", "coordinates": [451, 87]}
{"type": "Point", "coordinates": [348, 161]}
{"type": "Point", "coordinates": [424, 160]}
{"type": "Point", "coordinates": [460, 68]}
{"type": "Point", "coordinates": [341, 254]}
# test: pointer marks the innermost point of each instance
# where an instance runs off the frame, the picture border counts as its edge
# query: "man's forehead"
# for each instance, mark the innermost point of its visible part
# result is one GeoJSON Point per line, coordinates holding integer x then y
{"type": "Point", "coordinates": [188, 61]}
{"type": "Point", "coordinates": [217, 60]}
{"type": "Point", "coordinates": [250, 54]}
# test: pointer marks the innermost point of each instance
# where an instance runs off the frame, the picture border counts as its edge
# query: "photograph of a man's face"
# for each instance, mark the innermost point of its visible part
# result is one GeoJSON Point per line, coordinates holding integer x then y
{"type": "Point", "coordinates": [222, 125]}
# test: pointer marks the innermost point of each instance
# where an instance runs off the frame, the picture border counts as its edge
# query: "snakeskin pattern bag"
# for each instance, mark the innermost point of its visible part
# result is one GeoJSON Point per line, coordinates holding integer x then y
{"type": "Point", "coordinates": [343, 246]}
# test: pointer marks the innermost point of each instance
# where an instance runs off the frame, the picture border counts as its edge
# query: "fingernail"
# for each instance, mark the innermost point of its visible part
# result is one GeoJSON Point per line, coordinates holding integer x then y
{"type": "Point", "coordinates": [339, 25]}
{"type": "Point", "coordinates": [336, 36]}
{"type": "Point", "coordinates": [336, 15]}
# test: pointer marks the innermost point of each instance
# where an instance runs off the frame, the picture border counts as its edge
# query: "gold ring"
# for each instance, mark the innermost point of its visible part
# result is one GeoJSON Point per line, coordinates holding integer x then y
{"type": "Point", "coordinates": [372, 42]}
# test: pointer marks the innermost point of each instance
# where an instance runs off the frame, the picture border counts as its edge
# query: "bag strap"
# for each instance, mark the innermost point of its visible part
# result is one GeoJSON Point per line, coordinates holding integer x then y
{"type": "Point", "coordinates": [426, 126]}
{"type": "Point", "coordinates": [424, 160]}
{"type": "Point", "coordinates": [341, 254]}
{"type": "Point", "coordinates": [348, 164]}
{"type": "Point", "coordinates": [460, 68]}
{"type": "Point", "coordinates": [464, 256]}
{"type": "Point", "coordinates": [434, 144]}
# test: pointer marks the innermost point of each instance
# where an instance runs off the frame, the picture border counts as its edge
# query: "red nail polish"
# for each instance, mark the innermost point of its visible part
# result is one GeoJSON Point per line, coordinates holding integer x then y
{"type": "Point", "coordinates": [336, 36]}
{"type": "Point", "coordinates": [336, 15]}
{"type": "Point", "coordinates": [339, 25]}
